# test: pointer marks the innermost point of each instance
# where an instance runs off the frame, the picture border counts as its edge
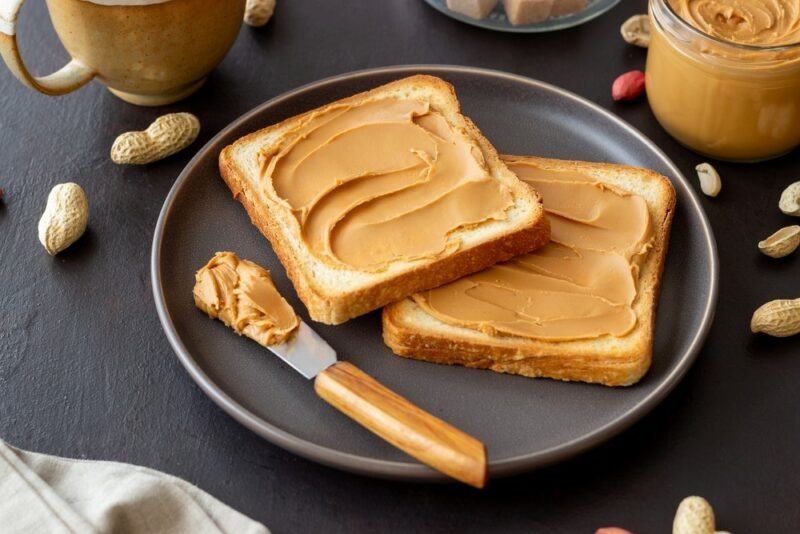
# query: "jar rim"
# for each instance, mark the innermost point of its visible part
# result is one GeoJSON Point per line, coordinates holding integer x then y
{"type": "Point", "coordinates": [725, 42]}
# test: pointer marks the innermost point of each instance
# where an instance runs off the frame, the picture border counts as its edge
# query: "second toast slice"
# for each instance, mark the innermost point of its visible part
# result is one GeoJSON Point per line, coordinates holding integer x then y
{"type": "Point", "coordinates": [581, 309]}
{"type": "Point", "coordinates": [380, 195]}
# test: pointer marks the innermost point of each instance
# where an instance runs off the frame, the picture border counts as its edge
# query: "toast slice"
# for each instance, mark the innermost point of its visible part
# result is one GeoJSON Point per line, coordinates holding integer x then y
{"type": "Point", "coordinates": [334, 293]}
{"type": "Point", "coordinates": [411, 331]}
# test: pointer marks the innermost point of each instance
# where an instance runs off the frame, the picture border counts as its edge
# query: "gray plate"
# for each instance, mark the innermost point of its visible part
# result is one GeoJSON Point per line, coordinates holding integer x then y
{"type": "Point", "coordinates": [498, 21]}
{"type": "Point", "coordinates": [525, 423]}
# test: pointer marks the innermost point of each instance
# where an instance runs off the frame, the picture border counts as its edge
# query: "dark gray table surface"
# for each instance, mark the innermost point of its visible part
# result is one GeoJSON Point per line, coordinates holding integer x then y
{"type": "Point", "coordinates": [85, 370]}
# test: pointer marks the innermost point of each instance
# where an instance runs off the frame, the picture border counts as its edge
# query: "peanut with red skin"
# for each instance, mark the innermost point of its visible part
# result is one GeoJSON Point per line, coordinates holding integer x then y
{"type": "Point", "coordinates": [628, 86]}
{"type": "Point", "coordinates": [612, 530]}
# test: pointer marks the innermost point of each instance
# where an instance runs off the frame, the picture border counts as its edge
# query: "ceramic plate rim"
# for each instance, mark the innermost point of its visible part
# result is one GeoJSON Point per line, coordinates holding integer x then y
{"type": "Point", "coordinates": [411, 470]}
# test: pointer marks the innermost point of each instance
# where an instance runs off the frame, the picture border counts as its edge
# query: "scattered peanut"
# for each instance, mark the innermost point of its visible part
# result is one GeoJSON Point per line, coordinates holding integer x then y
{"type": "Point", "coordinates": [781, 243]}
{"type": "Point", "coordinates": [710, 182]}
{"type": "Point", "coordinates": [778, 318]}
{"type": "Point", "coordinates": [790, 200]}
{"type": "Point", "coordinates": [636, 30]}
{"type": "Point", "coordinates": [628, 86]}
{"type": "Point", "coordinates": [258, 12]}
{"type": "Point", "coordinates": [166, 136]}
{"type": "Point", "coordinates": [2, 193]}
{"type": "Point", "coordinates": [612, 530]}
{"type": "Point", "coordinates": [694, 516]}
{"type": "Point", "coordinates": [64, 218]}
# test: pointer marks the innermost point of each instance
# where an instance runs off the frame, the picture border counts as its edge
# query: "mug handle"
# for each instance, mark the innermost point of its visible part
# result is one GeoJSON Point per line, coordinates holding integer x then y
{"type": "Point", "coordinates": [70, 77]}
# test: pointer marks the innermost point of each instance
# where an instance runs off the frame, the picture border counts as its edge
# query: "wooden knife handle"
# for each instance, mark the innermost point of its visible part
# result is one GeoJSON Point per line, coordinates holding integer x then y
{"type": "Point", "coordinates": [401, 423]}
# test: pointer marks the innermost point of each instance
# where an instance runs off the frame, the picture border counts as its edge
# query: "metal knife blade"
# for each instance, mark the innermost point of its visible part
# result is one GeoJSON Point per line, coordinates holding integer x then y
{"type": "Point", "coordinates": [306, 352]}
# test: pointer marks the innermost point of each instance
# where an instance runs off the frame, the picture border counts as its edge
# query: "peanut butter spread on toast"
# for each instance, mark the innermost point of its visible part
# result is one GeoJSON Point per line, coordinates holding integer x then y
{"type": "Point", "coordinates": [241, 294]}
{"type": "Point", "coordinates": [382, 181]}
{"type": "Point", "coordinates": [580, 286]}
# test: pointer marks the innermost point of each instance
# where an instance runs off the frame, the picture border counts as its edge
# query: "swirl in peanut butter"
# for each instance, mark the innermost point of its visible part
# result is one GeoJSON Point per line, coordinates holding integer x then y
{"type": "Point", "coordinates": [750, 22]}
{"type": "Point", "coordinates": [382, 181]}
{"type": "Point", "coordinates": [241, 294]}
{"type": "Point", "coordinates": [582, 285]}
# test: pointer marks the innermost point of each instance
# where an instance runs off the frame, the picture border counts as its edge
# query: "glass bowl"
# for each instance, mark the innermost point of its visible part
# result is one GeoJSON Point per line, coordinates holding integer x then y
{"type": "Point", "coordinates": [497, 18]}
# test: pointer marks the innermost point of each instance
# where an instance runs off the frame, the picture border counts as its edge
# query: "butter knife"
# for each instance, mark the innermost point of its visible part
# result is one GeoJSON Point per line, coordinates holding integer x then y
{"type": "Point", "coordinates": [382, 411]}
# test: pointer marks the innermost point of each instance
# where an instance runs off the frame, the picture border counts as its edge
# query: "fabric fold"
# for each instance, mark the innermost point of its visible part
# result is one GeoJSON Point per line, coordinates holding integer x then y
{"type": "Point", "coordinates": [41, 493]}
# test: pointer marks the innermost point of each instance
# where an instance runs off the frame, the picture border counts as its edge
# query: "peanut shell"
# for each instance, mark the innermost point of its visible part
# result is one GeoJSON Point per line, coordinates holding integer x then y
{"type": "Point", "coordinates": [167, 135]}
{"type": "Point", "coordinates": [781, 243]}
{"type": "Point", "coordinates": [790, 200]}
{"type": "Point", "coordinates": [694, 516]}
{"type": "Point", "coordinates": [65, 217]}
{"type": "Point", "coordinates": [258, 12]}
{"type": "Point", "coordinates": [636, 30]}
{"type": "Point", "coordinates": [778, 318]}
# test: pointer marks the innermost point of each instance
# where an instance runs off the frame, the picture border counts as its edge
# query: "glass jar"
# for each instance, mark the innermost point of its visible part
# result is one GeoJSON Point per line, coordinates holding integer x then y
{"type": "Point", "coordinates": [725, 100]}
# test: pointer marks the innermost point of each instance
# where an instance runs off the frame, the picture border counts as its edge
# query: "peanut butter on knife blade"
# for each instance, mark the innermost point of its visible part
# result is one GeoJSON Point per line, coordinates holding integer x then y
{"type": "Point", "coordinates": [241, 294]}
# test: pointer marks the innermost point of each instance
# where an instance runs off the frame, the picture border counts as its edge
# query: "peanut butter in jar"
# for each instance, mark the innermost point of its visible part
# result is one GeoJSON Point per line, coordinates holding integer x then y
{"type": "Point", "coordinates": [723, 76]}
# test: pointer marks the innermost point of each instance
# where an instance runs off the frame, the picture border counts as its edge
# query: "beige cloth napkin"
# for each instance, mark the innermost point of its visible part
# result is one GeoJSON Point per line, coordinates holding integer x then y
{"type": "Point", "coordinates": [40, 493]}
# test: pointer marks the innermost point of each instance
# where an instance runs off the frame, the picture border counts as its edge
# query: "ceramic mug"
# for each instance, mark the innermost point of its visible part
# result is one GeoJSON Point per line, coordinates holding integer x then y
{"type": "Point", "coordinates": [148, 52]}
